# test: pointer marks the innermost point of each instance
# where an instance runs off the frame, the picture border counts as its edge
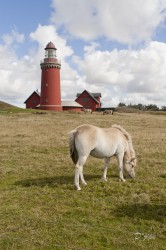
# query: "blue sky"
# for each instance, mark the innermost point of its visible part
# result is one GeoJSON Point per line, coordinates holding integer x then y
{"type": "Point", "coordinates": [117, 48]}
{"type": "Point", "coordinates": [25, 15]}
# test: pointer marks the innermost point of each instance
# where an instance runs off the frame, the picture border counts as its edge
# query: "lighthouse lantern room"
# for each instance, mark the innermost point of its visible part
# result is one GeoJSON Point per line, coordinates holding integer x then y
{"type": "Point", "coordinates": [50, 80]}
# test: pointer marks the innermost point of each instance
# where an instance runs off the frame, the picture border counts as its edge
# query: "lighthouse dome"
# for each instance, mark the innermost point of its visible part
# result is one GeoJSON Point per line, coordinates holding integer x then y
{"type": "Point", "coordinates": [50, 45]}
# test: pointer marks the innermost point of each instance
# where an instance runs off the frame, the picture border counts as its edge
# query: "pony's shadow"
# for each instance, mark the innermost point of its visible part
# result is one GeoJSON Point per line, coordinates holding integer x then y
{"type": "Point", "coordinates": [142, 211]}
{"type": "Point", "coordinates": [52, 181]}
{"type": "Point", "coordinates": [163, 175]}
{"type": "Point", "coordinates": [45, 181]}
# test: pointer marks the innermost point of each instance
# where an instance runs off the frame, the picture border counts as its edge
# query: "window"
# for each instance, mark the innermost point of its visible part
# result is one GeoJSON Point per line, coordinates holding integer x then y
{"type": "Point", "coordinates": [85, 99]}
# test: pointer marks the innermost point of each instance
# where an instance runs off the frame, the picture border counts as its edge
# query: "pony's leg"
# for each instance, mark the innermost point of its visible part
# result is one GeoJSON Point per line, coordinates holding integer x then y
{"type": "Point", "coordinates": [76, 178]}
{"type": "Point", "coordinates": [107, 161]}
{"type": "Point", "coordinates": [79, 172]}
{"type": "Point", "coordinates": [120, 166]}
{"type": "Point", "coordinates": [82, 176]}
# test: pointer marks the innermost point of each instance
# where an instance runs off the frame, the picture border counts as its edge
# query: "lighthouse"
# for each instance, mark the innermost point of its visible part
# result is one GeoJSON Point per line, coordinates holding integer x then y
{"type": "Point", "coordinates": [50, 98]}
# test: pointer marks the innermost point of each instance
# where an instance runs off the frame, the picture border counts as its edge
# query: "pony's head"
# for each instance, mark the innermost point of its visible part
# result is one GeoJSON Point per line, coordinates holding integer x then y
{"type": "Point", "coordinates": [129, 167]}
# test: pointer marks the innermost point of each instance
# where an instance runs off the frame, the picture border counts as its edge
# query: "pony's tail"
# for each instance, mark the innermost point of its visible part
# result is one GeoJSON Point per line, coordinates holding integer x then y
{"type": "Point", "coordinates": [72, 147]}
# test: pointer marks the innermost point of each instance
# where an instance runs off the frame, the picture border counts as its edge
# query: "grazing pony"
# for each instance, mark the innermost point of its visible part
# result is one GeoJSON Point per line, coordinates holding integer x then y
{"type": "Point", "coordinates": [108, 112]}
{"type": "Point", "coordinates": [102, 143]}
{"type": "Point", "coordinates": [87, 111]}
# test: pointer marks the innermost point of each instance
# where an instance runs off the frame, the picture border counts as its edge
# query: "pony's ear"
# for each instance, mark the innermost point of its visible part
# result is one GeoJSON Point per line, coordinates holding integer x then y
{"type": "Point", "coordinates": [132, 159]}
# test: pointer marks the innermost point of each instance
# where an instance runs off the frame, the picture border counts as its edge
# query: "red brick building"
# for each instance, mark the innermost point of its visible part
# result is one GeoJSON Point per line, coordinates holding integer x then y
{"type": "Point", "coordinates": [50, 97]}
{"type": "Point", "coordinates": [71, 106]}
{"type": "Point", "coordinates": [89, 100]}
{"type": "Point", "coordinates": [33, 100]}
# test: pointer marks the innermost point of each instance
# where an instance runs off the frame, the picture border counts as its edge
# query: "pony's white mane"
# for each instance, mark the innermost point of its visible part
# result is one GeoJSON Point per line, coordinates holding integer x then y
{"type": "Point", "coordinates": [126, 134]}
{"type": "Point", "coordinates": [128, 137]}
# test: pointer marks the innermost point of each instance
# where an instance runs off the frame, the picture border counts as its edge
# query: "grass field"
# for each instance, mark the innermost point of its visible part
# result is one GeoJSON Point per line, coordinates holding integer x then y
{"type": "Point", "coordinates": [40, 208]}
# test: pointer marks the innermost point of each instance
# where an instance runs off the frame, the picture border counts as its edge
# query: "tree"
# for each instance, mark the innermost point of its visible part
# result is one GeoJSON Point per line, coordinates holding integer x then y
{"type": "Point", "coordinates": [163, 108]}
{"type": "Point", "coordinates": [152, 107]}
{"type": "Point", "coordinates": [121, 104]}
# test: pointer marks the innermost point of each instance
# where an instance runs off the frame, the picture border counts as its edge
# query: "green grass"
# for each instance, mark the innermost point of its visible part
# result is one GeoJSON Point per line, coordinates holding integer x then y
{"type": "Point", "coordinates": [40, 208]}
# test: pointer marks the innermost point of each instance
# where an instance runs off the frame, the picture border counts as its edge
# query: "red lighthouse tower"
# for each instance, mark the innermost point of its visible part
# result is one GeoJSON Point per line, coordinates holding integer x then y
{"type": "Point", "coordinates": [50, 80]}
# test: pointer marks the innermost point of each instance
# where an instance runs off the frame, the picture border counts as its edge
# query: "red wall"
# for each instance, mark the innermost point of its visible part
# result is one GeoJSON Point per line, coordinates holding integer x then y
{"type": "Point", "coordinates": [87, 101]}
{"type": "Point", "coordinates": [33, 101]}
{"type": "Point", "coordinates": [50, 89]}
{"type": "Point", "coordinates": [75, 109]}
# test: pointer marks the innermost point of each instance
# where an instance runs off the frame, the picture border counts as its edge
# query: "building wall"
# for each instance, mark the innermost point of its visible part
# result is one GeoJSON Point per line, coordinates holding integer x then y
{"type": "Point", "coordinates": [50, 89]}
{"type": "Point", "coordinates": [74, 109]}
{"type": "Point", "coordinates": [98, 105]}
{"type": "Point", "coordinates": [87, 101]}
{"type": "Point", "coordinates": [98, 99]}
{"type": "Point", "coordinates": [33, 101]}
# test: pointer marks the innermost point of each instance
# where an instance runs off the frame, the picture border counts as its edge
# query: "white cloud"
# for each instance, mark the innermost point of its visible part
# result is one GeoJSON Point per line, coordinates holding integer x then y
{"type": "Point", "coordinates": [14, 77]}
{"type": "Point", "coordinates": [17, 76]}
{"type": "Point", "coordinates": [128, 74]}
{"type": "Point", "coordinates": [77, 17]}
{"type": "Point", "coordinates": [136, 76]}
{"type": "Point", "coordinates": [14, 37]}
{"type": "Point", "coordinates": [21, 76]}
{"type": "Point", "coordinates": [124, 21]}
{"type": "Point", "coordinates": [44, 34]}
{"type": "Point", "coordinates": [68, 75]}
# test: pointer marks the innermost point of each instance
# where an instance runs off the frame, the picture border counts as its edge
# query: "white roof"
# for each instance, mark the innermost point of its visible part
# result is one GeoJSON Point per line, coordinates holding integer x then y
{"type": "Point", "coordinates": [69, 103]}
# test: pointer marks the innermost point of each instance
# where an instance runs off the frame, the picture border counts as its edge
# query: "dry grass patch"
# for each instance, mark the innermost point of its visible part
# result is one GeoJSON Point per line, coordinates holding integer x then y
{"type": "Point", "coordinates": [40, 208]}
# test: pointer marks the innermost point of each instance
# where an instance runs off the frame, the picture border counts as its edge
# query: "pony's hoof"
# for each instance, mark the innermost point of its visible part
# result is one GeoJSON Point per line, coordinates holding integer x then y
{"type": "Point", "coordinates": [122, 180]}
{"type": "Point", "coordinates": [78, 189]}
{"type": "Point", "coordinates": [104, 179]}
{"type": "Point", "coordinates": [85, 183]}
